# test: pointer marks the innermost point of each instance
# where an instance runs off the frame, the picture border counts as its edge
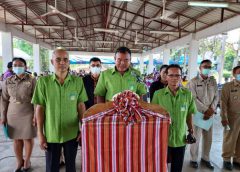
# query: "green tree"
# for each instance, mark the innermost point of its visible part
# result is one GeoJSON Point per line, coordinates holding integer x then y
{"type": "Point", "coordinates": [27, 48]}
{"type": "Point", "coordinates": [229, 56]}
{"type": "Point", "coordinates": [44, 59]}
{"type": "Point", "coordinates": [212, 44]}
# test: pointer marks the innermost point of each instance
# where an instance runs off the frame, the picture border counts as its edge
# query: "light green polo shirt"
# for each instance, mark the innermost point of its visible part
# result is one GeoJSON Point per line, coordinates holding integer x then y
{"type": "Point", "coordinates": [60, 102]}
{"type": "Point", "coordinates": [179, 107]}
{"type": "Point", "coordinates": [112, 82]}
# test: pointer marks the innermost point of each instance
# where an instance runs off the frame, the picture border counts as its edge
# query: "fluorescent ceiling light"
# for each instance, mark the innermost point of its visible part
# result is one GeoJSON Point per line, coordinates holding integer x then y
{"type": "Point", "coordinates": [103, 48]}
{"type": "Point", "coordinates": [132, 49]}
{"type": "Point", "coordinates": [106, 30]}
{"type": "Point", "coordinates": [63, 40]}
{"type": "Point", "coordinates": [48, 27]}
{"type": "Point", "coordinates": [209, 4]}
{"type": "Point", "coordinates": [164, 32]}
{"type": "Point", "coordinates": [77, 47]}
{"type": "Point", "coordinates": [124, 0]}
{"type": "Point", "coordinates": [143, 43]}
{"type": "Point", "coordinates": [105, 42]}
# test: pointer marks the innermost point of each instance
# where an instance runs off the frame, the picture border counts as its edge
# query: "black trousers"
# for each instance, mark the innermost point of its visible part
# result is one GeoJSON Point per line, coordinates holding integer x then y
{"type": "Point", "coordinates": [53, 156]}
{"type": "Point", "coordinates": [176, 158]}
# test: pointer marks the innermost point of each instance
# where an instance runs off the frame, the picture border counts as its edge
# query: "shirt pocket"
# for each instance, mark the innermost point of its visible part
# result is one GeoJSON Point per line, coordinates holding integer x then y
{"type": "Point", "coordinates": [234, 96]}
{"type": "Point", "coordinates": [200, 90]}
{"type": "Point", "coordinates": [12, 90]}
{"type": "Point", "coordinates": [132, 85]}
{"type": "Point", "coordinates": [72, 96]}
{"type": "Point", "coordinates": [25, 90]}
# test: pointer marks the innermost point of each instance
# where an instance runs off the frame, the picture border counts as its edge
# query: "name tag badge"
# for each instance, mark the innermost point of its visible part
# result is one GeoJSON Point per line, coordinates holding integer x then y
{"type": "Point", "coordinates": [72, 96]}
{"type": "Point", "coordinates": [183, 108]}
{"type": "Point", "coordinates": [131, 87]}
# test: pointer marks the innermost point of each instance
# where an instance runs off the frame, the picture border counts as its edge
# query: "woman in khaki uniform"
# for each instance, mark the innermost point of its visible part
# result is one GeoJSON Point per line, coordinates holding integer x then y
{"type": "Point", "coordinates": [18, 112]}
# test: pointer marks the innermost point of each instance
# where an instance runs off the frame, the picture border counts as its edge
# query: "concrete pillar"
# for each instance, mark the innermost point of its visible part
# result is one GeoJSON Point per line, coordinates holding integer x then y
{"type": "Point", "coordinates": [36, 58]}
{"type": "Point", "coordinates": [166, 56]}
{"type": "Point", "coordinates": [51, 68]}
{"type": "Point", "coordinates": [7, 49]}
{"type": "Point", "coordinates": [141, 59]}
{"type": "Point", "coordinates": [192, 63]}
{"type": "Point", "coordinates": [221, 59]}
{"type": "Point", "coordinates": [150, 64]}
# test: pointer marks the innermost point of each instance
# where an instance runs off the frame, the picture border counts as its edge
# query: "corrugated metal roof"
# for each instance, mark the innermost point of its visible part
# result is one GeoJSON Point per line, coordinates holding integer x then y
{"type": "Point", "coordinates": [92, 14]}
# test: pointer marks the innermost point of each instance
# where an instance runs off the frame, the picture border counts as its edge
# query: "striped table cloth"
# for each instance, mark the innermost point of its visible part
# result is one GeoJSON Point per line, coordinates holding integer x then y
{"type": "Point", "coordinates": [109, 144]}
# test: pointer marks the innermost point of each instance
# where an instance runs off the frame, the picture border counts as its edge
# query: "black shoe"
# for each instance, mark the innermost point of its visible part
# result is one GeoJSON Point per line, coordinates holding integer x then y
{"type": "Point", "coordinates": [208, 164]}
{"type": "Point", "coordinates": [18, 170]}
{"type": "Point", "coordinates": [25, 169]}
{"type": "Point", "coordinates": [194, 164]}
{"type": "Point", "coordinates": [227, 165]}
{"type": "Point", "coordinates": [236, 164]}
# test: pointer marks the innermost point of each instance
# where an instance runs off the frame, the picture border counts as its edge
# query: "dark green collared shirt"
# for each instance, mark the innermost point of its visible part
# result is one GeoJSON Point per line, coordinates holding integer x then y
{"type": "Point", "coordinates": [112, 82]}
{"type": "Point", "coordinates": [60, 102]}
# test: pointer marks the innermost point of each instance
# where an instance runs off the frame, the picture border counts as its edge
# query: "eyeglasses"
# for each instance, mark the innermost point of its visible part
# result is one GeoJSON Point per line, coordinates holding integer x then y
{"type": "Point", "coordinates": [174, 76]}
{"type": "Point", "coordinates": [207, 67]}
{"type": "Point", "coordinates": [65, 60]}
{"type": "Point", "coordinates": [93, 65]}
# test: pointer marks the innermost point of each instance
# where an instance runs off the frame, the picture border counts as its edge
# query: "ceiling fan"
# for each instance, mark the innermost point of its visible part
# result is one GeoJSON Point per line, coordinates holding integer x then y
{"type": "Point", "coordinates": [77, 39]}
{"type": "Point", "coordinates": [54, 10]}
{"type": "Point", "coordinates": [140, 43]}
{"type": "Point", "coordinates": [165, 14]}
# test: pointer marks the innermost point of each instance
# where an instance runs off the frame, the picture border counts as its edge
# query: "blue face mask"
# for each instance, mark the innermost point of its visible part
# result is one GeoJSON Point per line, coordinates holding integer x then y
{"type": "Point", "coordinates": [18, 70]}
{"type": "Point", "coordinates": [206, 72]}
{"type": "Point", "coordinates": [238, 77]}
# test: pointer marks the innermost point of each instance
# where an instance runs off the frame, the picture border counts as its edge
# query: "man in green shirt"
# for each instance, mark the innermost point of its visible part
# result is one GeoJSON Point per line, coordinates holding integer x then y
{"type": "Point", "coordinates": [59, 100]}
{"type": "Point", "coordinates": [180, 104]}
{"type": "Point", "coordinates": [121, 77]}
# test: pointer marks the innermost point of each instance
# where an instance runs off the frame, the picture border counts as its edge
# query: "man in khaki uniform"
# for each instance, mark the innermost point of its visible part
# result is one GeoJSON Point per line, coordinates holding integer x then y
{"type": "Point", "coordinates": [205, 91]}
{"type": "Point", "coordinates": [230, 113]}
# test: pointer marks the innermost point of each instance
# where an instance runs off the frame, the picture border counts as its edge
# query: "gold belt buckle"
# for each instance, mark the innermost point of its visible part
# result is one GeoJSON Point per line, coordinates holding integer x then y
{"type": "Point", "coordinates": [18, 103]}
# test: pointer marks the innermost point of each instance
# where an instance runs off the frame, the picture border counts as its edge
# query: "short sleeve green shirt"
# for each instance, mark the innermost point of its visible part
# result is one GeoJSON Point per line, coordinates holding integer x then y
{"type": "Point", "coordinates": [60, 102]}
{"type": "Point", "coordinates": [112, 82]}
{"type": "Point", "coordinates": [179, 107]}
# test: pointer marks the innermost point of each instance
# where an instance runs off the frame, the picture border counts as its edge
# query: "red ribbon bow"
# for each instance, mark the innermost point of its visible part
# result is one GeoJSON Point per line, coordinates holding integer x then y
{"type": "Point", "coordinates": [126, 104]}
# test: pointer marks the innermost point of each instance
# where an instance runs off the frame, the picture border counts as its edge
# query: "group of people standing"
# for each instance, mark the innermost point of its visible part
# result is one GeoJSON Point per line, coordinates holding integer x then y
{"type": "Point", "coordinates": [55, 105]}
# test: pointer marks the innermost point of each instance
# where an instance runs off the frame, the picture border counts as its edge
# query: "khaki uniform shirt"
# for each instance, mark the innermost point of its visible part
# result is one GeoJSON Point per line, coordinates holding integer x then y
{"type": "Point", "coordinates": [230, 99]}
{"type": "Point", "coordinates": [205, 92]}
{"type": "Point", "coordinates": [17, 91]}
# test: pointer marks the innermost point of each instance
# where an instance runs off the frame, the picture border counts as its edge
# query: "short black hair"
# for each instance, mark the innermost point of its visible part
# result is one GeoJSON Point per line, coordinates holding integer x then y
{"type": "Point", "coordinates": [235, 69]}
{"type": "Point", "coordinates": [9, 65]}
{"type": "Point", "coordinates": [173, 66]}
{"type": "Point", "coordinates": [205, 61]}
{"type": "Point", "coordinates": [163, 67]}
{"type": "Point", "coordinates": [20, 59]}
{"type": "Point", "coordinates": [123, 50]}
{"type": "Point", "coordinates": [95, 59]}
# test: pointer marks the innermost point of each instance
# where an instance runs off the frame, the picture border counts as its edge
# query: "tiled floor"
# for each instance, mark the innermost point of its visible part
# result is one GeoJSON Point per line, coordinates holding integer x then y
{"type": "Point", "coordinates": [7, 160]}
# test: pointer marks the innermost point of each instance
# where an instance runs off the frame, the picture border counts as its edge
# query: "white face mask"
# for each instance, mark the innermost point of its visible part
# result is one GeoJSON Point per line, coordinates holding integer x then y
{"type": "Point", "coordinates": [95, 70]}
